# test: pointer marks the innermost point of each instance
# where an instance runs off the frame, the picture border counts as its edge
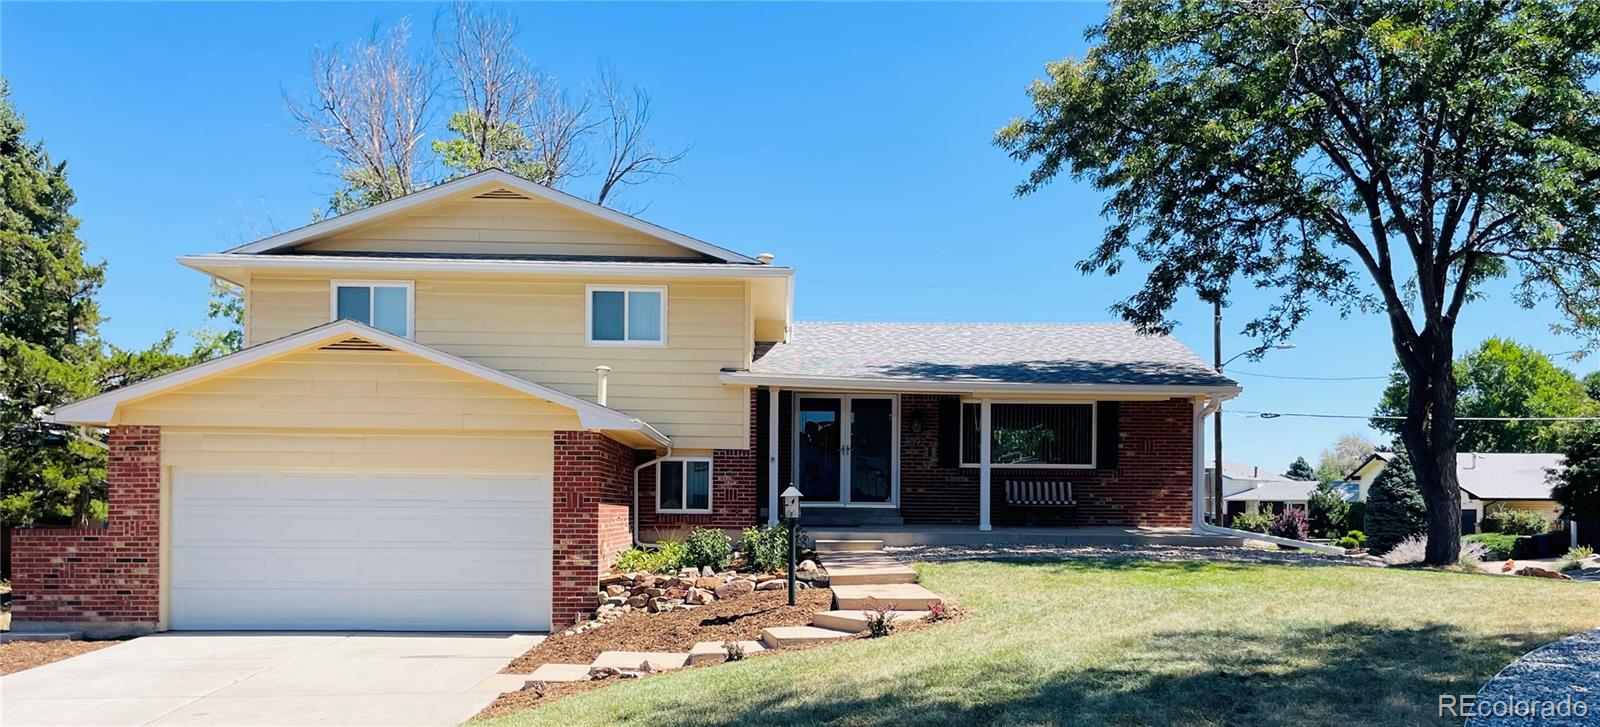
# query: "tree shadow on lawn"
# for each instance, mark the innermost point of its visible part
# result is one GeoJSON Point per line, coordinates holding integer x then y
{"type": "Point", "coordinates": [1350, 673]}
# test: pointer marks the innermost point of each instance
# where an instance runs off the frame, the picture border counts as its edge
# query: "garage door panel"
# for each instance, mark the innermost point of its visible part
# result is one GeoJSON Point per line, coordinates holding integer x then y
{"type": "Point", "coordinates": [360, 551]}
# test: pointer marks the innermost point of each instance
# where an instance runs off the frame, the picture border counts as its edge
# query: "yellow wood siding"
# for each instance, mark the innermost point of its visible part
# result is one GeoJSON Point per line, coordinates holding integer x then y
{"type": "Point", "coordinates": [326, 450]}
{"type": "Point", "coordinates": [367, 390]}
{"type": "Point", "coordinates": [503, 227]}
{"type": "Point", "coordinates": [534, 328]}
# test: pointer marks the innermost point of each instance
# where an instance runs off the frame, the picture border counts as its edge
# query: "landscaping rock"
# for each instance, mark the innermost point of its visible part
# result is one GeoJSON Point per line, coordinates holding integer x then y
{"type": "Point", "coordinates": [1537, 572]}
{"type": "Point", "coordinates": [707, 582]}
{"type": "Point", "coordinates": [806, 566]}
{"type": "Point", "coordinates": [700, 596]}
{"type": "Point", "coordinates": [614, 601]}
{"type": "Point", "coordinates": [616, 589]}
{"type": "Point", "coordinates": [639, 600]}
{"type": "Point", "coordinates": [603, 672]}
{"type": "Point", "coordinates": [764, 577]}
{"type": "Point", "coordinates": [706, 571]}
{"type": "Point", "coordinates": [734, 589]}
{"type": "Point", "coordinates": [689, 573]}
{"type": "Point", "coordinates": [774, 585]}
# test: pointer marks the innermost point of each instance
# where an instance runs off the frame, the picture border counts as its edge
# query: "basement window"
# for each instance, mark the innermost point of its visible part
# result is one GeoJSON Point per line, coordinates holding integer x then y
{"type": "Point", "coordinates": [683, 485]}
{"type": "Point", "coordinates": [385, 305]}
{"type": "Point", "coordinates": [627, 316]}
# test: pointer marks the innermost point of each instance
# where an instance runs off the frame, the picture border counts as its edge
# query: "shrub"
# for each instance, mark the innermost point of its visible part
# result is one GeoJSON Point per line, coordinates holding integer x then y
{"type": "Point", "coordinates": [1327, 512]}
{"type": "Point", "coordinates": [1254, 522]}
{"type": "Point", "coordinates": [1498, 546]}
{"type": "Point", "coordinates": [937, 611]}
{"type": "Point", "coordinates": [708, 547]}
{"type": "Point", "coordinates": [1356, 518]}
{"type": "Point", "coordinates": [1353, 539]}
{"type": "Point", "coordinates": [1515, 522]}
{"type": "Point", "coordinates": [1410, 550]}
{"type": "Point", "coordinates": [1574, 558]}
{"type": "Point", "coordinates": [768, 548]}
{"type": "Point", "coordinates": [1291, 523]}
{"type": "Point", "coordinates": [880, 620]}
{"type": "Point", "coordinates": [666, 557]}
{"type": "Point", "coordinates": [1395, 511]}
{"type": "Point", "coordinates": [1472, 553]}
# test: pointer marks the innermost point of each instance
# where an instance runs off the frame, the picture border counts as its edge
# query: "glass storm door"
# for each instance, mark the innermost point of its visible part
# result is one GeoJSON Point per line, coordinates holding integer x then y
{"type": "Point", "coordinates": [844, 450]}
{"type": "Point", "coordinates": [817, 454]}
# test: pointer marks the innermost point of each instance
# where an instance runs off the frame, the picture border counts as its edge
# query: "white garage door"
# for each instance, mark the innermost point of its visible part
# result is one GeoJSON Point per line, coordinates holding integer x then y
{"type": "Point", "coordinates": [368, 551]}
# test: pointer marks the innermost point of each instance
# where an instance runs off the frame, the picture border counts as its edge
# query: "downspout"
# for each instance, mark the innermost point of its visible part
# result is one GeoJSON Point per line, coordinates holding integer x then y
{"type": "Point", "coordinates": [1200, 526]}
{"type": "Point", "coordinates": [635, 511]}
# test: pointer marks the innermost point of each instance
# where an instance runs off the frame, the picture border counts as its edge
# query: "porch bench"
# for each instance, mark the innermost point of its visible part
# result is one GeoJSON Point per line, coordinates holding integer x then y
{"type": "Point", "coordinates": [1054, 494]}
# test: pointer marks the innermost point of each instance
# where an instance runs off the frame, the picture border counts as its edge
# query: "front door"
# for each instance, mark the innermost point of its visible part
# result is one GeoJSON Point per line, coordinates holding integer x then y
{"type": "Point", "coordinates": [846, 450]}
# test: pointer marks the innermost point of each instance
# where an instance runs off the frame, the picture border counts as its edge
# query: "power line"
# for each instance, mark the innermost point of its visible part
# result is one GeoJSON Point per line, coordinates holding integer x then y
{"type": "Point", "coordinates": [1310, 378]}
{"type": "Point", "coordinates": [1276, 414]}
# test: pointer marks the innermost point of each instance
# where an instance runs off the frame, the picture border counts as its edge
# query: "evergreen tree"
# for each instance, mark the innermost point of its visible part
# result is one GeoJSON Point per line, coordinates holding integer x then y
{"type": "Point", "coordinates": [1394, 505]}
{"type": "Point", "coordinates": [1326, 511]}
{"type": "Point", "coordinates": [1301, 470]}
{"type": "Point", "coordinates": [50, 351]}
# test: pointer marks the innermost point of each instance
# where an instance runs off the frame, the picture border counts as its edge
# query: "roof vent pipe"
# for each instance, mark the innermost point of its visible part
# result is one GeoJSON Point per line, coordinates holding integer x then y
{"type": "Point", "coordinates": [600, 385]}
{"type": "Point", "coordinates": [765, 258]}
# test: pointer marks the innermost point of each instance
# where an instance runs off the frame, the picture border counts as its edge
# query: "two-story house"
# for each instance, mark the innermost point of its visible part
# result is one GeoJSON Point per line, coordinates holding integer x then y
{"type": "Point", "coordinates": [454, 409]}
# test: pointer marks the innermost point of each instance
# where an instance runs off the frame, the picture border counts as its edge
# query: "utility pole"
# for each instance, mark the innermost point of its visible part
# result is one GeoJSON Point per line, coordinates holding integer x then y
{"type": "Point", "coordinates": [1216, 472]}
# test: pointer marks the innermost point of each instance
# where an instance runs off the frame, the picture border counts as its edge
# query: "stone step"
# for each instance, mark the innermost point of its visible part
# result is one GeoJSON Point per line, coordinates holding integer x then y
{"type": "Point", "coordinates": [713, 652]}
{"type": "Point", "coordinates": [11, 636]}
{"type": "Point", "coordinates": [839, 546]}
{"type": "Point", "coordinates": [777, 636]}
{"type": "Point", "coordinates": [632, 660]}
{"type": "Point", "coordinates": [899, 596]}
{"type": "Point", "coordinates": [855, 622]}
{"type": "Point", "coordinates": [858, 569]}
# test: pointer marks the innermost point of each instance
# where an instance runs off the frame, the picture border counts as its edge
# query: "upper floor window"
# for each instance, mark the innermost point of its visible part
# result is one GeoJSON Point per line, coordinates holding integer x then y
{"type": "Point", "coordinates": [1030, 435]}
{"type": "Point", "coordinates": [627, 316]}
{"type": "Point", "coordinates": [384, 305]}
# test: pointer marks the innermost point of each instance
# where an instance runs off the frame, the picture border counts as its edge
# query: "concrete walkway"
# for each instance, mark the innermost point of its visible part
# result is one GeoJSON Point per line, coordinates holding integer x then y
{"type": "Point", "coordinates": [360, 678]}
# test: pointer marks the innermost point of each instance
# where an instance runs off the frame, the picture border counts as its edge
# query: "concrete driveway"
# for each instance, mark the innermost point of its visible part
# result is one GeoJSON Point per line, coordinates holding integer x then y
{"type": "Point", "coordinates": [362, 678]}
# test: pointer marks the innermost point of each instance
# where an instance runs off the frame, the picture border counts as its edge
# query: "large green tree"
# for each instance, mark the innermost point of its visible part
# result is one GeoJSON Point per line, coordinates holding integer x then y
{"type": "Point", "coordinates": [50, 351]}
{"type": "Point", "coordinates": [1501, 378]}
{"type": "Point", "coordinates": [1385, 155]}
{"type": "Point", "coordinates": [1300, 469]}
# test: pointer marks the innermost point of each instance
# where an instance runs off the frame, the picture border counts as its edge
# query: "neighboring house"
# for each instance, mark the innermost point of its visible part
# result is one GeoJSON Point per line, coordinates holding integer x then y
{"type": "Point", "coordinates": [1488, 481]}
{"type": "Point", "coordinates": [1249, 488]}
{"type": "Point", "coordinates": [454, 409]}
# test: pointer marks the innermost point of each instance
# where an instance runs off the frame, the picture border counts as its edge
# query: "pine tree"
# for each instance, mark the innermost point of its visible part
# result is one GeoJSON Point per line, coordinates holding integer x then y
{"type": "Point", "coordinates": [50, 351]}
{"type": "Point", "coordinates": [1301, 470]}
{"type": "Point", "coordinates": [1395, 509]}
{"type": "Point", "coordinates": [1326, 511]}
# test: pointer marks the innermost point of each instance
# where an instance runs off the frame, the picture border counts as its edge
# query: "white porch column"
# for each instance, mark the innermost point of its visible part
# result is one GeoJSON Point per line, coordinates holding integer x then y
{"type": "Point", "coordinates": [984, 475]}
{"type": "Point", "coordinates": [772, 455]}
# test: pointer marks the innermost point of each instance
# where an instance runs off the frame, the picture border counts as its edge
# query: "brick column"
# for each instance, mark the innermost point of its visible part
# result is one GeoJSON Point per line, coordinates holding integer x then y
{"type": "Point", "coordinates": [593, 494]}
{"type": "Point", "coordinates": [110, 575]}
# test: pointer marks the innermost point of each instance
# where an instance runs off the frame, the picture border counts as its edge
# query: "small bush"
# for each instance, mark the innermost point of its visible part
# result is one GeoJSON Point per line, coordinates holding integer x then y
{"type": "Point", "coordinates": [666, 557]}
{"type": "Point", "coordinates": [734, 650]}
{"type": "Point", "coordinates": [880, 620]}
{"type": "Point", "coordinates": [1510, 521]}
{"type": "Point", "coordinates": [1497, 546]}
{"type": "Point", "coordinates": [1252, 521]}
{"type": "Point", "coordinates": [1410, 550]}
{"type": "Point", "coordinates": [1472, 553]}
{"type": "Point", "coordinates": [1348, 543]}
{"type": "Point", "coordinates": [1326, 511]}
{"type": "Point", "coordinates": [768, 548]}
{"type": "Point", "coordinates": [937, 611]}
{"type": "Point", "coordinates": [1574, 558]}
{"type": "Point", "coordinates": [708, 547]}
{"type": "Point", "coordinates": [1291, 523]}
{"type": "Point", "coordinates": [1358, 536]}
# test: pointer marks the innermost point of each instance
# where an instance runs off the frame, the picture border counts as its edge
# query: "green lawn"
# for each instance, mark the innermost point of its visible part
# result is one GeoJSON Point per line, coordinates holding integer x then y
{"type": "Point", "coordinates": [1134, 642]}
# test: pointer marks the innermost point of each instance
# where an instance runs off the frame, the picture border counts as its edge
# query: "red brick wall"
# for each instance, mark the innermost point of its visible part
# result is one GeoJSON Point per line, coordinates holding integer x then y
{"type": "Point", "coordinates": [593, 491]}
{"type": "Point", "coordinates": [105, 575]}
{"type": "Point", "coordinates": [735, 493]}
{"type": "Point", "coordinates": [1151, 485]}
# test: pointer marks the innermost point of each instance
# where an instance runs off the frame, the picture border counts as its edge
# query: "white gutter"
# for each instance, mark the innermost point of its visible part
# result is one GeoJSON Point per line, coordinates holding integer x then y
{"type": "Point", "coordinates": [857, 383]}
{"type": "Point", "coordinates": [1201, 527]}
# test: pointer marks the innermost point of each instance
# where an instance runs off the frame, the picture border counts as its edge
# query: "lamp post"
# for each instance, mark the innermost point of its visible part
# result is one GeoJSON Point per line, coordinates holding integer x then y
{"type": "Point", "coordinates": [791, 512]}
{"type": "Point", "coordinates": [1216, 349]}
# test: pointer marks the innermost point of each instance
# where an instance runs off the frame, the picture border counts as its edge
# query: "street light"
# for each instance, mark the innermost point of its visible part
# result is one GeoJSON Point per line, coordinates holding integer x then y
{"type": "Point", "coordinates": [791, 512]}
{"type": "Point", "coordinates": [1216, 471]}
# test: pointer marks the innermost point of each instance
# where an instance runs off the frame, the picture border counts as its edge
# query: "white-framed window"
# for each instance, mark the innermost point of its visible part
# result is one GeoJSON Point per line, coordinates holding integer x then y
{"type": "Point", "coordinates": [1030, 434]}
{"type": "Point", "coordinates": [387, 305]}
{"type": "Point", "coordinates": [626, 315]}
{"type": "Point", "coordinates": [683, 484]}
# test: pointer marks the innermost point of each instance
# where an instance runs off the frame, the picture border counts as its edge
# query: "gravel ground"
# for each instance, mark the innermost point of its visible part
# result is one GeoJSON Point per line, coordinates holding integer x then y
{"type": "Point", "coordinates": [19, 655]}
{"type": "Point", "coordinates": [1125, 552]}
{"type": "Point", "coordinates": [1553, 673]}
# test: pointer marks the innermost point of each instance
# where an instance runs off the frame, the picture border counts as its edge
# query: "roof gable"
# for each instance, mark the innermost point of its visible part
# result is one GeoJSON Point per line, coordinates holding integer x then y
{"type": "Point", "coordinates": [506, 214]}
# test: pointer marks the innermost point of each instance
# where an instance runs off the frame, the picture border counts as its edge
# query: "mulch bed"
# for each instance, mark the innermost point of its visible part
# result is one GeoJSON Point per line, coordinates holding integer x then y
{"type": "Point", "coordinates": [19, 655]}
{"type": "Point", "coordinates": [738, 619]}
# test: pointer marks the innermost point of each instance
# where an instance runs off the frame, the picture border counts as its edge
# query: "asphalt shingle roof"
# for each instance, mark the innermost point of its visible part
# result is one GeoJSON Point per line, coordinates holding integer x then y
{"type": "Point", "coordinates": [1038, 353]}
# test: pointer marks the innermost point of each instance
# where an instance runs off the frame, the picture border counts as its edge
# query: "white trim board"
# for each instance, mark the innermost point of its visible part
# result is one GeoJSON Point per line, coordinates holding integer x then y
{"type": "Point", "coordinates": [456, 265]}
{"type": "Point", "coordinates": [862, 384]}
{"type": "Point", "coordinates": [100, 410]}
{"type": "Point", "coordinates": [486, 178]}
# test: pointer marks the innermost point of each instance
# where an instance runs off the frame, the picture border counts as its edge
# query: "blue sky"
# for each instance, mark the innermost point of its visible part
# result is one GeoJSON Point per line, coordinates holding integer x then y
{"type": "Point", "coordinates": [852, 141]}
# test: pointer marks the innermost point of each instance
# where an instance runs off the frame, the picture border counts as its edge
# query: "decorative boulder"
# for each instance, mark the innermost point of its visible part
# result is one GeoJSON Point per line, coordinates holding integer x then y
{"type": "Point", "coordinates": [707, 582]}
{"type": "Point", "coordinates": [1537, 572]}
{"type": "Point", "coordinates": [773, 585]}
{"type": "Point", "coordinates": [639, 600]}
{"type": "Point", "coordinates": [700, 596]}
{"type": "Point", "coordinates": [734, 589]}
{"type": "Point", "coordinates": [806, 566]}
{"type": "Point", "coordinates": [616, 589]}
